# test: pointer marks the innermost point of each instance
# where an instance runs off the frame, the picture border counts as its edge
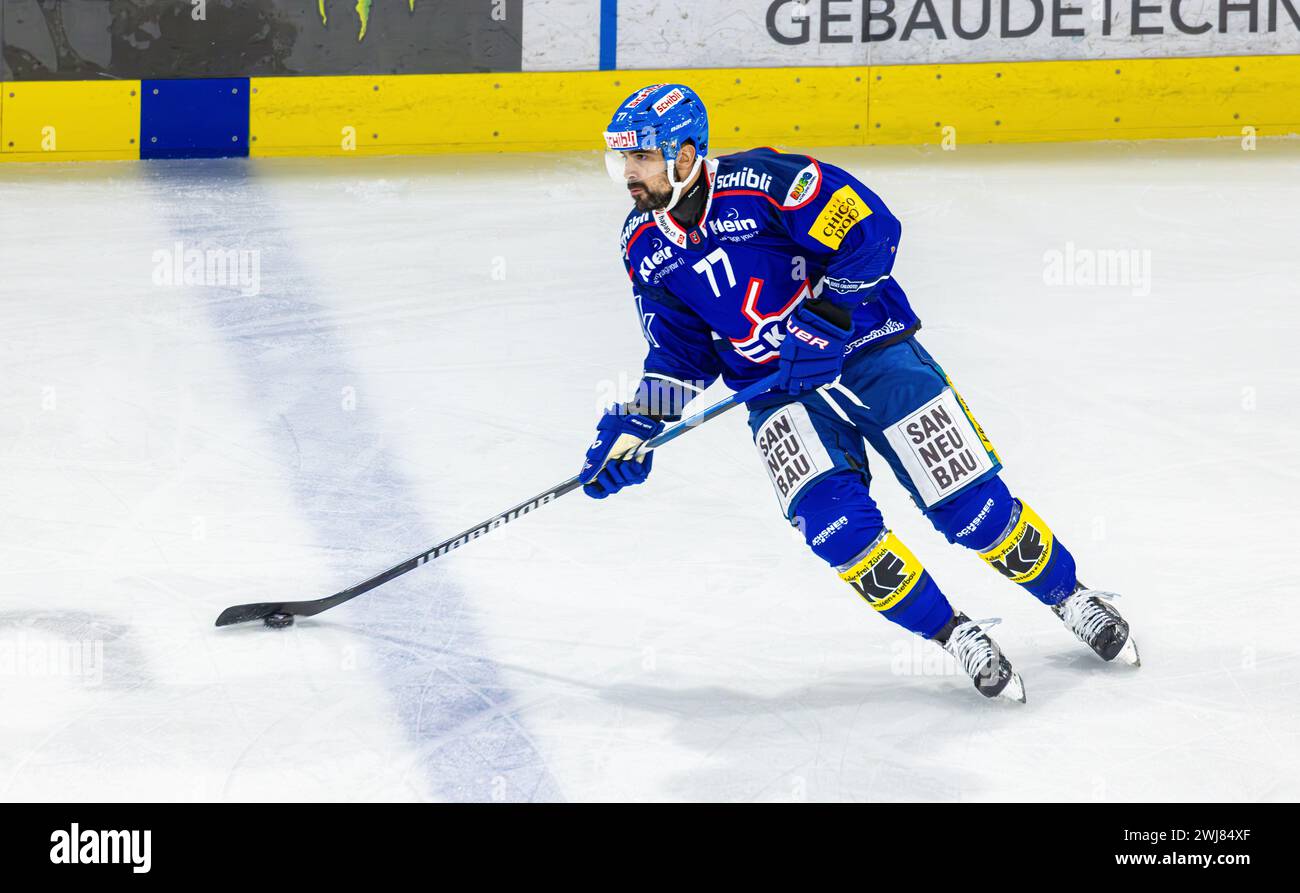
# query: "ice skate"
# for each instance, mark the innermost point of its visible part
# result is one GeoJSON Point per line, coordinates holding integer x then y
{"type": "Point", "coordinates": [1096, 623]}
{"type": "Point", "coordinates": [981, 658]}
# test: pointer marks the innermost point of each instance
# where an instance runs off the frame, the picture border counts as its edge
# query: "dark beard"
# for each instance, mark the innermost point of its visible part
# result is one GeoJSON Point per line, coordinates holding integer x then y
{"type": "Point", "coordinates": [653, 201]}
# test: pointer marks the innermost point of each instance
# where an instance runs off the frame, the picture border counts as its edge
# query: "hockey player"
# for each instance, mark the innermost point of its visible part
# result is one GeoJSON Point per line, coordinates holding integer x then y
{"type": "Point", "coordinates": [761, 262]}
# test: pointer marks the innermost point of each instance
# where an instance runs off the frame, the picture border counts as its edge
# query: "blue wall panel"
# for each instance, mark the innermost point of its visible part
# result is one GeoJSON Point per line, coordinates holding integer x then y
{"type": "Point", "coordinates": [202, 118]}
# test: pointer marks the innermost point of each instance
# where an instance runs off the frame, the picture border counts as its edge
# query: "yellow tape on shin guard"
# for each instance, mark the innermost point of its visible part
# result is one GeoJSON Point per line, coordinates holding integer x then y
{"type": "Point", "coordinates": [885, 573]}
{"type": "Point", "coordinates": [1025, 550]}
{"type": "Point", "coordinates": [979, 429]}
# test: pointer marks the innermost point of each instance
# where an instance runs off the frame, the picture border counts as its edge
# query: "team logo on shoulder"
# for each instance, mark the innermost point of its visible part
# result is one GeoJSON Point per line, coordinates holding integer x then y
{"type": "Point", "coordinates": [840, 215]}
{"type": "Point", "coordinates": [805, 184]}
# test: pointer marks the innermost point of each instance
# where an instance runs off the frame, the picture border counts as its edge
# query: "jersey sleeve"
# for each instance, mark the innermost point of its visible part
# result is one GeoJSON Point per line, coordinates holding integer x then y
{"type": "Point", "coordinates": [847, 228]}
{"type": "Point", "coordinates": [680, 362]}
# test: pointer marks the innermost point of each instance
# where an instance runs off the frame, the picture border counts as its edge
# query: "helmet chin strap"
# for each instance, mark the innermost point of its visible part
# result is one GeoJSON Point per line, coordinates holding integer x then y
{"type": "Point", "coordinates": [678, 187]}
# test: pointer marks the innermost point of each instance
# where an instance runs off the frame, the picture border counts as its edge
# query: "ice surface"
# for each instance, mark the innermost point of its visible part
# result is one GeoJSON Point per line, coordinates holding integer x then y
{"type": "Point", "coordinates": [431, 342]}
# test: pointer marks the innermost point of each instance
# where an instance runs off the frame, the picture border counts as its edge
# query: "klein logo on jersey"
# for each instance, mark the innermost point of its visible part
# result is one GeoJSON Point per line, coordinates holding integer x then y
{"type": "Point", "coordinates": [840, 215]}
{"type": "Point", "coordinates": [669, 101]}
{"type": "Point", "coordinates": [648, 264]}
{"type": "Point", "coordinates": [622, 139]}
{"type": "Point", "coordinates": [732, 224]}
{"type": "Point", "coordinates": [745, 178]}
{"type": "Point", "coordinates": [804, 185]}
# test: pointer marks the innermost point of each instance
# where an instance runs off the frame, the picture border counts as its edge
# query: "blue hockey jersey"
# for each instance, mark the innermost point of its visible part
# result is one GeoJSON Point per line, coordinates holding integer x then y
{"type": "Point", "coordinates": [777, 229]}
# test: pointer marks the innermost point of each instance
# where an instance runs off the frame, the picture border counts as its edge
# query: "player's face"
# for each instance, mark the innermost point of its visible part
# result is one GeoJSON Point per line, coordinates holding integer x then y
{"type": "Point", "coordinates": [647, 179]}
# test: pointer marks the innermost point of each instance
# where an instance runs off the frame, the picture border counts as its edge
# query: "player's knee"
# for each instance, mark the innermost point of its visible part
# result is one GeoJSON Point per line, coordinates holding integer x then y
{"type": "Point", "coordinates": [843, 527]}
{"type": "Point", "coordinates": [1010, 536]}
{"type": "Point", "coordinates": [1028, 553]}
{"type": "Point", "coordinates": [977, 517]}
{"type": "Point", "coordinates": [838, 517]}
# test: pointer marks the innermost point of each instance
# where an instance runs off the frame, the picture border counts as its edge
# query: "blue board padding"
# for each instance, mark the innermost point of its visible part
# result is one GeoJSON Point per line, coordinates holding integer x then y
{"type": "Point", "coordinates": [194, 118]}
{"type": "Point", "coordinates": [608, 35]}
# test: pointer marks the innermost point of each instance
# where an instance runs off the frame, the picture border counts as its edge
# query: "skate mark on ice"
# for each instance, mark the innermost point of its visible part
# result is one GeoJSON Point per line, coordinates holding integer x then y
{"type": "Point", "coordinates": [291, 349]}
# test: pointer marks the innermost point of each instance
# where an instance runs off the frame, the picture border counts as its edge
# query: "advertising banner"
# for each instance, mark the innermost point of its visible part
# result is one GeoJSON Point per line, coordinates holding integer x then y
{"type": "Point", "coordinates": [116, 39]}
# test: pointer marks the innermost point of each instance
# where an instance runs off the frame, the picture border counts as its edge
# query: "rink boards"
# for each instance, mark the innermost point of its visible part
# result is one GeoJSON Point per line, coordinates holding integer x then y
{"type": "Point", "coordinates": [987, 102]}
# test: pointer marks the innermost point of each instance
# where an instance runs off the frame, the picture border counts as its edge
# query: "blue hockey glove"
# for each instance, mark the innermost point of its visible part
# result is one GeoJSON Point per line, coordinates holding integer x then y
{"type": "Point", "coordinates": [609, 467]}
{"type": "Point", "coordinates": [812, 352]}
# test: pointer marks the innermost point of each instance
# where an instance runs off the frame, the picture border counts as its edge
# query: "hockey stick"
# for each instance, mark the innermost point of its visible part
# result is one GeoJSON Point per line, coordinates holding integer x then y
{"type": "Point", "coordinates": [282, 613]}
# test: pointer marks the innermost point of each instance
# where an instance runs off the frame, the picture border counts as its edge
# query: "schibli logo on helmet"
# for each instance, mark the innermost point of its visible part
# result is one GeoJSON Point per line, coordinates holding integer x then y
{"type": "Point", "coordinates": [624, 139]}
{"type": "Point", "coordinates": [673, 97]}
{"type": "Point", "coordinates": [640, 96]}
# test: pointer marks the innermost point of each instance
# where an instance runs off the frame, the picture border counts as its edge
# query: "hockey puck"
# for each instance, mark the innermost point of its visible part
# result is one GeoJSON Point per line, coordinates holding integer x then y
{"type": "Point", "coordinates": [278, 621]}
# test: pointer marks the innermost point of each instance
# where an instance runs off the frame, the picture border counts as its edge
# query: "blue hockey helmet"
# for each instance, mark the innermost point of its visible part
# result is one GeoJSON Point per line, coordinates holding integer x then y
{"type": "Point", "coordinates": [663, 117]}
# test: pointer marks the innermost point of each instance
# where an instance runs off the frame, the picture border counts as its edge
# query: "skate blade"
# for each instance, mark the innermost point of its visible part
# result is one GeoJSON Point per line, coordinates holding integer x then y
{"type": "Point", "coordinates": [1015, 690]}
{"type": "Point", "coordinates": [1129, 653]}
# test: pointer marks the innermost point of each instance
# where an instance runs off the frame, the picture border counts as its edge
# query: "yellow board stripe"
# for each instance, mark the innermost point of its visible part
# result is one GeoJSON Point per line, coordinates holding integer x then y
{"type": "Point", "coordinates": [1002, 102]}
{"type": "Point", "coordinates": [856, 105]}
{"type": "Point", "coordinates": [69, 120]}
{"type": "Point", "coordinates": [537, 111]}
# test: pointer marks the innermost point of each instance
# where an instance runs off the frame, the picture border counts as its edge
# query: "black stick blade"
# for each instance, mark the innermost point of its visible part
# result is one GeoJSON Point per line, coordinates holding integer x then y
{"type": "Point", "coordinates": [245, 613]}
{"type": "Point", "coordinates": [262, 610]}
